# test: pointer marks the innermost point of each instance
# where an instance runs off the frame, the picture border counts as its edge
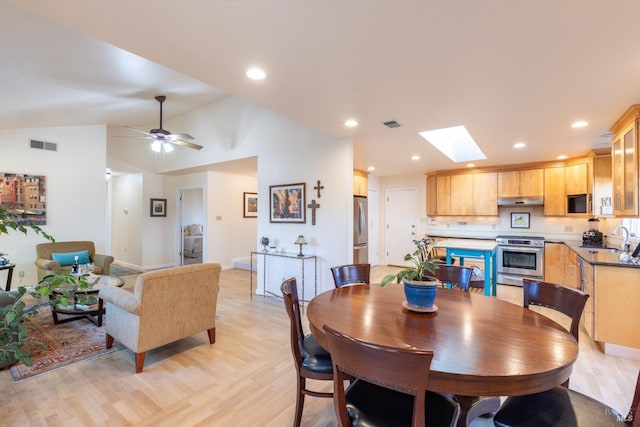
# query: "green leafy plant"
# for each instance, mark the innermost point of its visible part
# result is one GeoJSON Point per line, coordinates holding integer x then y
{"type": "Point", "coordinates": [9, 221]}
{"type": "Point", "coordinates": [421, 263]}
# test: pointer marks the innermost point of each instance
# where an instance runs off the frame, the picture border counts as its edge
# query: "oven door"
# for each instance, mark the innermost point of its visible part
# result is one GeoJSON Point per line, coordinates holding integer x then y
{"type": "Point", "coordinates": [521, 260]}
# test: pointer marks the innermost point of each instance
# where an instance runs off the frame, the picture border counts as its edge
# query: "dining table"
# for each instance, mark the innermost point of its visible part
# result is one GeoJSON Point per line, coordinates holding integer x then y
{"type": "Point", "coordinates": [482, 345]}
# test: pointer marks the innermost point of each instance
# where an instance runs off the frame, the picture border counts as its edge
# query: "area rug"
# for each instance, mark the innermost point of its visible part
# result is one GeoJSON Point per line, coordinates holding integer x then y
{"type": "Point", "coordinates": [122, 271]}
{"type": "Point", "coordinates": [67, 343]}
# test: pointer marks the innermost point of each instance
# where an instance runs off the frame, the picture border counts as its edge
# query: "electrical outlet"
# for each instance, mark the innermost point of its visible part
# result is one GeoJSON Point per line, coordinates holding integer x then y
{"type": "Point", "coordinates": [218, 217]}
{"type": "Point", "coordinates": [568, 228]}
{"type": "Point", "coordinates": [21, 273]}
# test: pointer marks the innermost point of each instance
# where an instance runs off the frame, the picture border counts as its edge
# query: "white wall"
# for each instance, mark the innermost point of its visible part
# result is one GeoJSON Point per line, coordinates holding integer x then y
{"type": "Point", "coordinates": [76, 190]}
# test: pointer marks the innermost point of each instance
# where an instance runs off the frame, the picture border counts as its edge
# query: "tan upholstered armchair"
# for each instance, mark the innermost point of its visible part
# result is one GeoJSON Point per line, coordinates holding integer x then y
{"type": "Point", "coordinates": [165, 306]}
{"type": "Point", "coordinates": [46, 252]}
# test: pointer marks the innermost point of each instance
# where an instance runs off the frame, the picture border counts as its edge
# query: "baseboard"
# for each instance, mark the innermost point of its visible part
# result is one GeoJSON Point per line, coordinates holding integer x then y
{"type": "Point", "coordinates": [622, 351]}
{"type": "Point", "coordinates": [243, 263]}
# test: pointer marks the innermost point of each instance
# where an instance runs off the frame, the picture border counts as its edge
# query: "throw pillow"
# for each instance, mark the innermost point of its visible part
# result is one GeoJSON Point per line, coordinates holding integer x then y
{"type": "Point", "coordinates": [195, 230]}
{"type": "Point", "coordinates": [67, 258]}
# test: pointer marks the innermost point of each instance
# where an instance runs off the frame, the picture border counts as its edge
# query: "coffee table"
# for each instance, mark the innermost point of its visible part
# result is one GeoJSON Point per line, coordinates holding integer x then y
{"type": "Point", "coordinates": [76, 310]}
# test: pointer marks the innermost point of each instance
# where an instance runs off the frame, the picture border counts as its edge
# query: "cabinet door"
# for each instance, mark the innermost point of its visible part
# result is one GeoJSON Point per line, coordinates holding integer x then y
{"type": "Point", "coordinates": [360, 186]}
{"type": "Point", "coordinates": [554, 254]}
{"type": "Point", "coordinates": [587, 316]}
{"type": "Point", "coordinates": [443, 195]}
{"type": "Point", "coordinates": [617, 156]}
{"type": "Point", "coordinates": [485, 193]}
{"type": "Point", "coordinates": [616, 305]}
{"type": "Point", "coordinates": [532, 182]}
{"type": "Point", "coordinates": [432, 196]}
{"type": "Point", "coordinates": [509, 184]}
{"type": "Point", "coordinates": [462, 198]}
{"type": "Point", "coordinates": [575, 179]}
{"type": "Point", "coordinates": [554, 197]}
{"type": "Point", "coordinates": [630, 193]}
{"type": "Point", "coordinates": [571, 270]}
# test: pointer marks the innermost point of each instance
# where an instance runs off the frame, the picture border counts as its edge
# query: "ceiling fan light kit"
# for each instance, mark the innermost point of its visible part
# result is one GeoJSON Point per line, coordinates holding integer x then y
{"type": "Point", "coordinates": [163, 140]}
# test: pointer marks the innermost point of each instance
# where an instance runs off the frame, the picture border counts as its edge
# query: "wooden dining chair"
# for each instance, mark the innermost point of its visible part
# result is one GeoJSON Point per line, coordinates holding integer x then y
{"type": "Point", "coordinates": [559, 405]}
{"type": "Point", "coordinates": [350, 274]}
{"type": "Point", "coordinates": [310, 359]}
{"type": "Point", "coordinates": [388, 390]}
{"type": "Point", "coordinates": [453, 275]}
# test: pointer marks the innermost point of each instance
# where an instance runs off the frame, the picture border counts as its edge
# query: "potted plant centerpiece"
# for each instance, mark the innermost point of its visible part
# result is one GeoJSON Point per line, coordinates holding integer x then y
{"type": "Point", "coordinates": [15, 313]}
{"type": "Point", "coordinates": [419, 287]}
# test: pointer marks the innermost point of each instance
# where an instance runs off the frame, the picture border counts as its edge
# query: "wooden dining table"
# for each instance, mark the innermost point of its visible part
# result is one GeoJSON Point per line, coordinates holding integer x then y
{"type": "Point", "coordinates": [483, 346]}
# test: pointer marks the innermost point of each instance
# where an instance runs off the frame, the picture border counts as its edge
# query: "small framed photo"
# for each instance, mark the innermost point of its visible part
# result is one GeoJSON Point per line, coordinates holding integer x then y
{"type": "Point", "coordinates": [250, 205]}
{"type": "Point", "coordinates": [520, 219]}
{"type": "Point", "coordinates": [287, 203]}
{"type": "Point", "coordinates": [158, 207]}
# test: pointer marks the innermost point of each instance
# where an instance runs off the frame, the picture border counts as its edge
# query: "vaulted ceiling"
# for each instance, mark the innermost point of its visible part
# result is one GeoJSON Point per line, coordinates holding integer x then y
{"type": "Point", "coordinates": [509, 71]}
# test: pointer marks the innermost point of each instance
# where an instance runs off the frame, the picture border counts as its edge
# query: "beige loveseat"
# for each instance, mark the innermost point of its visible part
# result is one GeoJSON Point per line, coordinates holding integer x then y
{"type": "Point", "coordinates": [165, 306]}
{"type": "Point", "coordinates": [46, 265]}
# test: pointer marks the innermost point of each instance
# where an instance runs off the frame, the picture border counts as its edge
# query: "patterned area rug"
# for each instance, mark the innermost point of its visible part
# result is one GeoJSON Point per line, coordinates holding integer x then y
{"type": "Point", "coordinates": [67, 343]}
{"type": "Point", "coordinates": [121, 271]}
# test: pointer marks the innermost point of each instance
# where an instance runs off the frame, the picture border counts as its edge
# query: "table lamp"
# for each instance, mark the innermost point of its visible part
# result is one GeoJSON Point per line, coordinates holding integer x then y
{"type": "Point", "coordinates": [300, 241]}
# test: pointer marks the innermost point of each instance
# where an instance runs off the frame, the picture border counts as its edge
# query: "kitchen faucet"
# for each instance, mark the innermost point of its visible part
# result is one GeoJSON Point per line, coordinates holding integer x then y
{"type": "Point", "coordinates": [626, 245]}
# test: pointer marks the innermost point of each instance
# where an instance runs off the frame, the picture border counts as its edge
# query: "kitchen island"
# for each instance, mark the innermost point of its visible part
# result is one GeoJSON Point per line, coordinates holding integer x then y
{"type": "Point", "coordinates": [483, 249]}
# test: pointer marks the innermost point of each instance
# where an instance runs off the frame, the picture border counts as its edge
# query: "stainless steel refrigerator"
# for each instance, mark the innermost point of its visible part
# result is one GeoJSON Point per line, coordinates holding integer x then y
{"type": "Point", "coordinates": [360, 231]}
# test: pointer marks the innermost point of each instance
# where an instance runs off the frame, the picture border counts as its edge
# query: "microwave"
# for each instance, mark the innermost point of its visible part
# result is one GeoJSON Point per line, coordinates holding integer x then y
{"type": "Point", "coordinates": [578, 203]}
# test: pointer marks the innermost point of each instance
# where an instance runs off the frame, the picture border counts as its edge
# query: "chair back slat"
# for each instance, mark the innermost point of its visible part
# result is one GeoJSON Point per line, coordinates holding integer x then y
{"type": "Point", "coordinates": [289, 290]}
{"type": "Point", "coordinates": [453, 275]}
{"type": "Point", "coordinates": [350, 274]}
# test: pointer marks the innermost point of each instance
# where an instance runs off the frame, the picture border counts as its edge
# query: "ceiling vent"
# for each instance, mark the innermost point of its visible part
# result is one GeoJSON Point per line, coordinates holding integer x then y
{"type": "Point", "coordinates": [43, 145]}
{"type": "Point", "coordinates": [391, 124]}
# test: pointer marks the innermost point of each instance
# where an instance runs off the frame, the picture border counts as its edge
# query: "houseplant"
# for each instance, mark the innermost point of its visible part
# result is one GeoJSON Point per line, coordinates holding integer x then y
{"type": "Point", "coordinates": [15, 315]}
{"type": "Point", "coordinates": [419, 287]}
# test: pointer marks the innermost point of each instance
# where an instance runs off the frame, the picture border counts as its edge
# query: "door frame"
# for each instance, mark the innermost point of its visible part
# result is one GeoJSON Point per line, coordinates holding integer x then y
{"type": "Point", "coordinates": [386, 215]}
{"type": "Point", "coordinates": [179, 250]}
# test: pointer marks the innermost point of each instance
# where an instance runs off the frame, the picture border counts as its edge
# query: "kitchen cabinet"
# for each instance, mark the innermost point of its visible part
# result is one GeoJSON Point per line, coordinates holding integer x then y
{"type": "Point", "coordinates": [624, 154]}
{"type": "Point", "coordinates": [602, 186]}
{"type": "Point", "coordinates": [521, 183]}
{"type": "Point", "coordinates": [571, 270]}
{"type": "Point", "coordinates": [432, 196]}
{"type": "Point", "coordinates": [462, 194]}
{"type": "Point", "coordinates": [555, 200]}
{"type": "Point", "coordinates": [360, 183]}
{"type": "Point", "coordinates": [575, 179]}
{"type": "Point", "coordinates": [554, 259]}
{"type": "Point", "coordinates": [586, 285]}
{"type": "Point", "coordinates": [443, 195]}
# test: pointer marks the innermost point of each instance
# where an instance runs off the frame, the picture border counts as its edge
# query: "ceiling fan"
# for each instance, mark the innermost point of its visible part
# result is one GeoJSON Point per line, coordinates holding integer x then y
{"type": "Point", "coordinates": [163, 139]}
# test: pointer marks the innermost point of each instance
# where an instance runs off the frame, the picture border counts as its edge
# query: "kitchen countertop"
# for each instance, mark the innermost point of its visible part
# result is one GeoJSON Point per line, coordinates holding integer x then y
{"type": "Point", "coordinates": [601, 257]}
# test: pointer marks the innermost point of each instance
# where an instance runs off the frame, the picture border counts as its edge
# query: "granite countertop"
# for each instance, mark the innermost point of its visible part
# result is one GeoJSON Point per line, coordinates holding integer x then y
{"type": "Point", "coordinates": [598, 256]}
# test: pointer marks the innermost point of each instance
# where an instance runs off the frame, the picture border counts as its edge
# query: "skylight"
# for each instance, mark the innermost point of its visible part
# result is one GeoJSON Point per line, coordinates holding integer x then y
{"type": "Point", "coordinates": [455, 142]}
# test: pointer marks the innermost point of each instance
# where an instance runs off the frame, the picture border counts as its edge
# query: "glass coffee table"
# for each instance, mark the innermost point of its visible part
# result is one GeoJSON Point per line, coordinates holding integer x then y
{"type": "Point", "coordinates": [77, 309]}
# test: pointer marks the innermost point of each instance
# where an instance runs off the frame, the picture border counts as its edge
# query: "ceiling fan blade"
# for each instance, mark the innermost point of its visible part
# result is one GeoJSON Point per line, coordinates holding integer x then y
{"type": "Point", "coordinates": [186, 144]}
{"type": "Point", "coordinates": [180, 136]}
{"type": "Point", "coordinates": [138, 130]}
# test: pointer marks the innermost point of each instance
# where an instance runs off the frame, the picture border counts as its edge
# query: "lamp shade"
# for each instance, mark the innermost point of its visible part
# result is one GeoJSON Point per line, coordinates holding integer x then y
{"type": "Point", "coordinates": [300, 240]}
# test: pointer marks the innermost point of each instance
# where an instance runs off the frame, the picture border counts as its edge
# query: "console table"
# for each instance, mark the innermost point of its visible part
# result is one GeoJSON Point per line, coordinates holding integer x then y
{"type": "Point", "coordinates": [483, 249]}
{"type": "Point", "coordinates": [268, 255]}
{"type": "Point", "coordinates": [10, 268]}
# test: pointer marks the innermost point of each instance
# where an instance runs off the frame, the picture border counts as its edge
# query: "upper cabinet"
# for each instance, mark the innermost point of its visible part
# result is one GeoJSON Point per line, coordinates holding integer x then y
{"type": "Point", "coordinates": [360, 183]}
{"type": "Point", "coordinates": [555, 200]}
{"type": "Point", "coordinates": [521, 183]}
{"type": "Point", "coordinates": [625, 163]}
{"type": "Point", "coordinates": [462, 194]}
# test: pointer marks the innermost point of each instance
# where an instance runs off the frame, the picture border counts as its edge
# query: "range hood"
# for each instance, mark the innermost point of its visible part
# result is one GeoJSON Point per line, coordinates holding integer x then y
{"type": "Point", "coordinates": [521, 201]}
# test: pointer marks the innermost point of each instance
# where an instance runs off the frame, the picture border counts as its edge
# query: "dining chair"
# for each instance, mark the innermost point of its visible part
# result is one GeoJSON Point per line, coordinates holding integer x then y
{"type": "Point", "coordinates": [387, 391]}
{"type": "Point", "coordinates": [310, 359]}
{"type": "Point", "coordinates": [350, 274]}
{"type": "Point", "coordinates": [558, 405]}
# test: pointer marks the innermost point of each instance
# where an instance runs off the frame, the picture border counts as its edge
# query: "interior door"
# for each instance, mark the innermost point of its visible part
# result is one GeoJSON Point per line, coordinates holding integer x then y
{"type": "Point", "coordinates": [373, 200]}
{"type": "Point", "coordinates": [401, 217]}
{"type": "Point", "coordinates": [190, 213]}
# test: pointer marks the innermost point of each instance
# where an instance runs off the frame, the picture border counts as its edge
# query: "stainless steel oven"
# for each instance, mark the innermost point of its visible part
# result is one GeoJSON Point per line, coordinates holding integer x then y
{"type": "Point", "coordinates": [519, 257]}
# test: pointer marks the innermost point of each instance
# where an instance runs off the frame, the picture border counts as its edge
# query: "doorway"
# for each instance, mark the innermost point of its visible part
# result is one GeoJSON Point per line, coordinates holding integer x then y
{"type": "Point", "coordinates": [373, 200]}
{"type": "Point", "coordinates": [401, 215]}
{"type": "Point", "coordinates": [191, 226]}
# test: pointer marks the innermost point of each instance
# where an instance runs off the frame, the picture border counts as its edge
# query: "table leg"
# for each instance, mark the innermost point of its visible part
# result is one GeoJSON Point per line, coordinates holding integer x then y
{"type": "Point", "coordinates": [9, 277]}
{"type": "Point", "coordinates": [465, 402]}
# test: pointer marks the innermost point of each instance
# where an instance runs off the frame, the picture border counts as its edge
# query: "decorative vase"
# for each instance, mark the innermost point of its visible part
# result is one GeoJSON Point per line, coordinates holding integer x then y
{"type": "Point", "coordinates": [264, 241]}
{"type": "Point", "coordinates": [421, 294]}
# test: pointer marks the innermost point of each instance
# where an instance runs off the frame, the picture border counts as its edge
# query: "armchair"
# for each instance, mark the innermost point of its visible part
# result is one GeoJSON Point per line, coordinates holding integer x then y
{"type": "Point", "coordinates": [165, 306]}
{"type": "Point", "coordinates": [47, 265]}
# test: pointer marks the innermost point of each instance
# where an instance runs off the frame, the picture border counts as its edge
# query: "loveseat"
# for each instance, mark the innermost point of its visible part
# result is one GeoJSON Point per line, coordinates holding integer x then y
{"type": "Point", "coordinates": [165, 306]}
{"type": "Point", "coordinates": [58, 257]}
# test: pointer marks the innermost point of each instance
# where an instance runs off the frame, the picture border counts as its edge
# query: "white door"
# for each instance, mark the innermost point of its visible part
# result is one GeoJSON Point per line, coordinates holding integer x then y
{"type": "Point", "coordinates": [190, 211]}
{"type": "Point", "coordinates": [401, 217]}
{"type": "Point", "coordinates": [373, 200]}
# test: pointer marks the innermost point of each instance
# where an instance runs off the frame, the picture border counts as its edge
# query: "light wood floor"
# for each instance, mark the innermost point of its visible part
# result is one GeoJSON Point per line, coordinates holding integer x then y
{"type": "Point", "coordinates": [245, 379]}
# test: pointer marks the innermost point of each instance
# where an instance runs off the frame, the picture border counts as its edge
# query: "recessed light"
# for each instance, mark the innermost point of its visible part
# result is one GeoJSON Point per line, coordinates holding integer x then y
{"type": "Point", "coordinates": [519, 145]}
{"type": "Point", "coordinates": [416, 157]}
{"type": "Point", "coordinates": [579, 124]}
{"type": "Point", "coordinates": [562, 157]}
{"type": "Point", "coordinates": [351, 123]}
{"type": "Point", "coordinates": [455, 142]}
{"type": "Point", "coordinates": [470, 165]}
{"type": "Point", "coordinates": [371, 168]}
{"type": "Point", "coordinates": [256, 74]}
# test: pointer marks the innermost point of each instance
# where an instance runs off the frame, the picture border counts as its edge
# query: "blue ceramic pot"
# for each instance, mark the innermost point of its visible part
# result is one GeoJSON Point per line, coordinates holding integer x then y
{"type": "Point", "coordinates": [421, 294]}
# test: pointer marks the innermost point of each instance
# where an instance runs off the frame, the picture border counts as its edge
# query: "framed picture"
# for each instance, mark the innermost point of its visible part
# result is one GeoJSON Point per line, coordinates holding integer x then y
{"type": "Point", "coordinates": [158, 207]}
{"type": "Point", "coordinates": [520, 219]}
{"type": "Point", "coordinates": [287, 203]}
{"type": "Point", "coordinates": [250, 205]}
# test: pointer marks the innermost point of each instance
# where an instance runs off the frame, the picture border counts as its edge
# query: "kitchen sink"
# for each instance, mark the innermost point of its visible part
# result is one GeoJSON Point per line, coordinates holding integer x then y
{"type": "Point", "coordinates": [594, 249]}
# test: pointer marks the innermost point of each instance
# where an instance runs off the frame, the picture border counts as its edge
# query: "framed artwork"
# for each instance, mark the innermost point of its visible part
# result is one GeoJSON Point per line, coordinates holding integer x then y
{"type": "Point", "coordinates": [520, 219]}
{"type": "Point", "coordinates": [250, 205]}
{"type": "Point", "coordinates": [158, 207]}
{"type": "Point", "coordinates": [287, 203]}
{"type": "Point", "coordinates": [24, 197]}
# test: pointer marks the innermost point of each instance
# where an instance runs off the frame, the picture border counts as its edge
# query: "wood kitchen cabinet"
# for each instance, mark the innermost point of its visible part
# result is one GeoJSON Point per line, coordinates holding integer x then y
{"type": "Point", "coordinates": [571, 270]}
{"type": "Point", "coordinates": [587, 282]}
{"type": "Point", "coordinates": [521, 183]}
{"type": "Point", "coordinates": [576, 179]}
{"type": "Point", "coordinates": [443, 195]}
{"type": "Point", "coordinates": [555, 200]}
{"type": "Point", "coordinates": [432, 196]}
{"type": "Point", "coordinates": [360, 183]}
{"type": "Point", "coordinates": [554, 259]}
{"type": "Point", "coordinates": [462, 194]}
{"type": "Point", "coordinates": [624, 153]}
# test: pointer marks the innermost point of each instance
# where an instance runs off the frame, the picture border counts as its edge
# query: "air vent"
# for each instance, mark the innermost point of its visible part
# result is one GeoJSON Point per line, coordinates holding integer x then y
{"type": "Point", "coordinates": [391, 124]}
{"type": "Point", "coordinates": [43, 145]}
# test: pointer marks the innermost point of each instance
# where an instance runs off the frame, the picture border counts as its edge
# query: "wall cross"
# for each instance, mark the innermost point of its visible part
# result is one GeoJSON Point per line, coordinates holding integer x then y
{"type": "Point", "coordinates": [313, 206]}
{"type": "Point", "coordinates": [318, 187]}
